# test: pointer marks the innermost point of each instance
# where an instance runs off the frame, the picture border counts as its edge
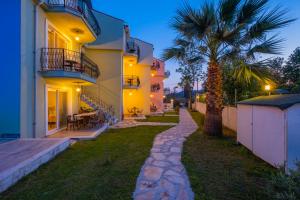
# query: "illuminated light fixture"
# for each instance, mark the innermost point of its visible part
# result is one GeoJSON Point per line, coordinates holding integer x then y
{"type": "Point", "coordinates": [152, 74]}
{"type": "Point", "coordinates": [130, 65]}
{"type": "Point", "coordinates": [164, 96]}
{"type": "Point", "coordinates": [78, 89]}
{"type": "Point", "coordinates": [77, 38]}
{"type": "Point", "coordinates": [268, 87]}
{"type": "Point", "coordinates": [172, 99]}
{"type": "Point", "coordinates": [130, 93]}
{"type": "Point", "coordinates": [151, 96]}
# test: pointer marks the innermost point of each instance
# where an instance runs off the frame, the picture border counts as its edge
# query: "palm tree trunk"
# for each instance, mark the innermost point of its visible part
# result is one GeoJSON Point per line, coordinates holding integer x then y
{"type": "Point", "coordinates": [214, 100]}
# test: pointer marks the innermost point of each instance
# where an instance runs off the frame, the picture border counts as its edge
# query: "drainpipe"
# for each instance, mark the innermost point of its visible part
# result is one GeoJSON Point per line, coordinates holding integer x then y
{"type": "Point", "coordinates": [34, 70]}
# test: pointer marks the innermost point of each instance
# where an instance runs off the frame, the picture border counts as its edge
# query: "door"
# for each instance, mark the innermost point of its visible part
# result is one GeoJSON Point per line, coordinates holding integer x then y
{"type": "Point", "coordinates": [57, 110]}
{"type": "Point", "coordinates": [52, 110]}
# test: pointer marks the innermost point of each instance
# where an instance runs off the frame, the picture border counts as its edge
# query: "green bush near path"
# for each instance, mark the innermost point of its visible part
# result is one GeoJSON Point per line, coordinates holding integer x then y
{"type": "Point", "coordinates": [106, 168]}
{"type": "Point", "coordinates": [218, 168]}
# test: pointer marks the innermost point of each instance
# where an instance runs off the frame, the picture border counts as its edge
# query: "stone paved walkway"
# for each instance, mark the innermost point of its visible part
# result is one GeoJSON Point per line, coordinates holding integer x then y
{"type": "Point", "coordinates": [163, 176]}
{"type": "Point", "coordinates": [133, 123]}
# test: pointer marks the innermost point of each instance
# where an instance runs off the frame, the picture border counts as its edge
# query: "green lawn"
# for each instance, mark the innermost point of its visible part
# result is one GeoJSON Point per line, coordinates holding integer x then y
{"type": "Point", "coordinates": [220, 169]}
{"type": "Point", "coordinates": [164, 119]}
{"type": "Point", "coordinates": [106, 168]}
{"type": "Point", "coordinates": [172, 113]}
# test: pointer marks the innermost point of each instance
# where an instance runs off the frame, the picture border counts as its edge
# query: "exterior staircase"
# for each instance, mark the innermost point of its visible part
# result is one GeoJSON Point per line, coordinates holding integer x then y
{"type": "Point", "coordinates": [97, 104]}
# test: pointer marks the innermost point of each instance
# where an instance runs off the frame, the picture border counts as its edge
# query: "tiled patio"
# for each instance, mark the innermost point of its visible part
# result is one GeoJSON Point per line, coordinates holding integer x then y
{"type": "Point", "coordinates": [21, 157]}
{"type": "Point", "coordinates": [84, 134]}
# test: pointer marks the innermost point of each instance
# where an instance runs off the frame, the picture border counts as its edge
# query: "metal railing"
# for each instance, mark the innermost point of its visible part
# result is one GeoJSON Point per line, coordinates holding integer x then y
{"type": "Point", "coordinates": [132, 47]}
{"type": "Point", "coordinates": [131, 81]}
{"type": "Point", "coordinates": [155, 66]}
{"type": "Point", "coordinates": [167, 74]}
{"type": "Point", "coordinates": [155, 87]}
{"type": "Point", "coordinates": [58, 59]}
{"type": "Point", "coordinates": [79, 6]}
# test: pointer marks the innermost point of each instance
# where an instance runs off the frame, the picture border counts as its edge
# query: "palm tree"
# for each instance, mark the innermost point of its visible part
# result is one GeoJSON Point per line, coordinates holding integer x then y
{"type": "Point", "coordinates": [233, 31]}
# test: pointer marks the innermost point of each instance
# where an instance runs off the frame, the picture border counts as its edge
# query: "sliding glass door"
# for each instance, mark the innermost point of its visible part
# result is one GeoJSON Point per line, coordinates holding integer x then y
{"type": "Point", "coordinates": [57, 110]}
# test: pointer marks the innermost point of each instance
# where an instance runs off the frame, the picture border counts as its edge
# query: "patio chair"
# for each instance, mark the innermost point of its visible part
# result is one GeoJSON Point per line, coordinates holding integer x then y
{"type": "Point", "coordinates": [78, 120]}
{"type": "Point", "coordinates": [71, 122]}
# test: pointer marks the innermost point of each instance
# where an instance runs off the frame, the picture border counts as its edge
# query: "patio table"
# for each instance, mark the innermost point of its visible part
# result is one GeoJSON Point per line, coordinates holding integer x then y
{"type": "Point", "coordinates": [86, 114]}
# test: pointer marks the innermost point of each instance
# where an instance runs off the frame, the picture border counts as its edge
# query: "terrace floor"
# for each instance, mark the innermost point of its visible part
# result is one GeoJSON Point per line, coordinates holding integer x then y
{"type": "Point", "coordinates": [83, 134]}
{"type": "Point", "coordinates": [20, 157]}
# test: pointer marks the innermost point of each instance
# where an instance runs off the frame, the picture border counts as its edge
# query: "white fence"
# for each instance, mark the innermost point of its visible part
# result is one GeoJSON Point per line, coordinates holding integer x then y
{"type": "Point", "coordinates": [229, 115]}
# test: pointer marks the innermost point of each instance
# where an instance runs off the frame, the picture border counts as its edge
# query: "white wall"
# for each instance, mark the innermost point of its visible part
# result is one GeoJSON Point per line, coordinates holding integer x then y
{"type": "Point", "coordinates": [293, 128]}
{"type": "Point", "coordinates": [262, 130]}
{"type": "Point", "coordinates": [146, 52]}
{"type": "Point", "coordinates": [112, 35]}
{"type": "Point", "coordinates": [229, 115]}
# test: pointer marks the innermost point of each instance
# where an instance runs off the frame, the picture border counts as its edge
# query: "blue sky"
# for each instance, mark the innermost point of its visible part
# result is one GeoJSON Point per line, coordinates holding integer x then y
{"type": "Point", "coordinates": [149, 20]}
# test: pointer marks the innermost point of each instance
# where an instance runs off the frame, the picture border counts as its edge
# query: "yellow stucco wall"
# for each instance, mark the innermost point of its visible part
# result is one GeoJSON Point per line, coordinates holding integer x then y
{"type": "Point", "coordinates": [109, 83]}
{"type": "Point", "coordinates": [140, 97]}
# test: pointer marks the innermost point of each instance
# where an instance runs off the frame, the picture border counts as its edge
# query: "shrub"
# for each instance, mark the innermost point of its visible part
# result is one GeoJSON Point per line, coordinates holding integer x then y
{"type": "Point", "coordinates": [285, 186]}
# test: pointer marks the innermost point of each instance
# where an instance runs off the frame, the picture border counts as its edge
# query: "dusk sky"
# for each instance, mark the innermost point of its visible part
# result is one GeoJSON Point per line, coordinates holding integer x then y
{"type": "Point", "coordinates": [150, 21]}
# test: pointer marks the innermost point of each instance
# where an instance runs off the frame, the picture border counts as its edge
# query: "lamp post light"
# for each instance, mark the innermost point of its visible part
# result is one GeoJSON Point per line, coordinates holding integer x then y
{"type": "Point", "coordinates": [268, 89]}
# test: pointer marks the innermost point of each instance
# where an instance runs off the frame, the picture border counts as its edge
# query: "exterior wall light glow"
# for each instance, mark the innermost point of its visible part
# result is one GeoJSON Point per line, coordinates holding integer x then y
{"type": "Point", "coordinates": [267, 87]}
{"type": "Point", "coordinates": [77, 38]}
{"type": "Point", "coordinates": [78, 89]}
{"type": "Point", "coordinates": [130, 93]}
{"type": "Point", "coordinates": [151, 95]}
{"type": "Point", "coordinates": [130, 65]}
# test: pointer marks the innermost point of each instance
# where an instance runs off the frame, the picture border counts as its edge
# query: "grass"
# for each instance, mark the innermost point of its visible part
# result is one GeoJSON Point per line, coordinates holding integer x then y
{"type": "Point", "coordinates": [172, 113]}
{"type": "Point", "coordinates": [106, 168]}
{"type": "Point", "coordinates": [218, 168]}
{"type": "Point", "coordinates": [163, 119]}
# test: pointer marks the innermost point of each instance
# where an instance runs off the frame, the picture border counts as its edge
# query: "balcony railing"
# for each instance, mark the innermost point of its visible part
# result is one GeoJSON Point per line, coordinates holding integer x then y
{"type": "Point", "coordinates": [56, 59]}
{"type": "Point", "coordinates": [155, 87]}
{"type": "Point", "coordinates": [131, 82]}
{"type": "Point", "coordinates": [79, 6]}
{"type": "Point", "coordinates": [132, 47]}
{"type": "Point", "coordinates": [167, 74]}
{"type": "Point", "coordinates": [155, 66]}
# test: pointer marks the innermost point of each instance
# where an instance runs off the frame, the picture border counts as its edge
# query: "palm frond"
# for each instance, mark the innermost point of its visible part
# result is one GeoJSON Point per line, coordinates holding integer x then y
{"type": "Point", "coordinates": [249, 11]}
{"type": "Point", "coordinates": [272, 45]}
{"type": "Point", "coordinates": [274, 19]}
{"type": "Point", "coordinates": [227, 10]}
{"type": "Point", "coordinates": [173, 53]}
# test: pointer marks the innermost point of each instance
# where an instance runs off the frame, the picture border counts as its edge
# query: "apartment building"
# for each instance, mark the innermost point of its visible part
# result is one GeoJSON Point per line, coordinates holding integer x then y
{"type": "Point", "coordinates": [66, 54]}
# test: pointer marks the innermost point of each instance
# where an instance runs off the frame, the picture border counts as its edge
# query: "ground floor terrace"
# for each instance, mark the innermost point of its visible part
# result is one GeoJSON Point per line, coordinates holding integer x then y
{"type": "Point", "coordinates": [149, 163]}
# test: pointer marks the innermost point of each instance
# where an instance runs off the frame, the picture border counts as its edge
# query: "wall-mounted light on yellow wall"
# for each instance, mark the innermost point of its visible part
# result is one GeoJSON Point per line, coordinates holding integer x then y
{"type": "Point", "coordinates": [151, 95]}
{"type": "Point", "coordinates": [78, 89]}
{"type": "Point", "coordinates": [130, 93]}
{"type": "Point", "coordinates": [77, 38]}
{"type": "Point", "coordinates": [152, 74]}
{"type": "Point", "coordinates": [130, 64]}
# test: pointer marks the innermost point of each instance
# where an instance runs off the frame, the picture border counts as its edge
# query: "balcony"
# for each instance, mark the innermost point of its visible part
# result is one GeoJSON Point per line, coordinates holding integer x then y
{"type": "Point", "coordinates": [131, 82]}
{"type": "Point", "coordinates": [72, 65]}
{"type": "Point", "coordinates": [74, 17]}
{"type": "Point", "coordinates": [167, 74]}
{"type": "Point", "coordinates": [155, 66]}
{"type": "Point", "coordinates": [132, 54]}
{"type": "Point", "coordinates": [155, 87]}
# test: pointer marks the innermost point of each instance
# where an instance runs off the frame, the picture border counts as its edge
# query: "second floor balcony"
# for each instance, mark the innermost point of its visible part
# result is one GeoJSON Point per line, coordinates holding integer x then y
{"type": "Point", "coordinates": [131, 82]}
{"type": "Point", "coordinates": [155, 87]}
{"type": "Point", "coordinates": [63, 63]}
{"type": "Point", "coordinates": [167, 74]}
{"type": "Point", "coordinates": [155, 66]}
{"type": "Point", "coordinates": [74, 17]}
{"type": "Point", "coordinates": [132, 51]}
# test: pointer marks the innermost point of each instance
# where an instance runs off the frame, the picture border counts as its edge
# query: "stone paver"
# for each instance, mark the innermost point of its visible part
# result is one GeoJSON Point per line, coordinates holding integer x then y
{"type": "Point", "coordinates": [163, 176]}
